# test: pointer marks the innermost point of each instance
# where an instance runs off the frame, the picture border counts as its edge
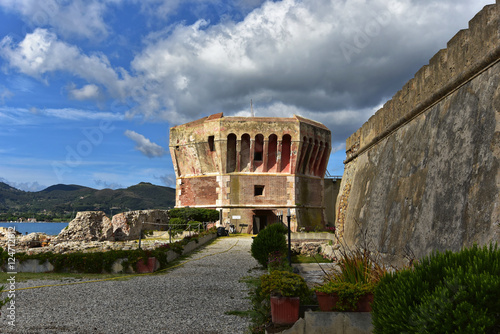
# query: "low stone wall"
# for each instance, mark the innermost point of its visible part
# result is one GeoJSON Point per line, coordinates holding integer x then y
{"type": "Point", "coordinates": [314, 236]}
{"type": "Point", "coordinates": [34, 265]}
{"type": "Point", "coordinates": [332, 323]}
{"type": "Point", "coordinates": [312, 243]}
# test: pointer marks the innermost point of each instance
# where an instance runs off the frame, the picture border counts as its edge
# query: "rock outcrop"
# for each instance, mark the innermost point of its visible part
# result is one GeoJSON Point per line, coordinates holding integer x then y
{"type": "Point", "coordinates": [88, 225]}
{"type": "Point", "coordinates": [128, 225]}
{"type": "Point", "coordinates": [4, 232]}
{"type": "Point", "coordinates": [95, 226]}
{"type": "Point", "coordinates": [35, 239]}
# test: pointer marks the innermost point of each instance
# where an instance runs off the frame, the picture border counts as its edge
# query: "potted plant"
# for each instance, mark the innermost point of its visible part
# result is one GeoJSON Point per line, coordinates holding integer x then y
{"type": "Point", "coordinates": [350, 286]}
{"type": "Point", "coordinates": [345, 296]}
{"type": "Point", "coordinates": [285, 290]}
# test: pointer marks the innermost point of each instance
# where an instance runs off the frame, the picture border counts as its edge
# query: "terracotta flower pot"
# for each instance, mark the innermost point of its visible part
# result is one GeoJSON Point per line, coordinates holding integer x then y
{"type": "Point", "coordinates": [328, 302]}
{"type": "Point", "coordinates": [148, 267]}
{"type": "Point", "coordinates": [365, 303]}
{"type": "Point", "coordinates": [285, 310]}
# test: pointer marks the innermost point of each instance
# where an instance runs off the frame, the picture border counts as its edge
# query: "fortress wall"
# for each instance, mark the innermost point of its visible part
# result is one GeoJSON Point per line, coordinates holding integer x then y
{"type": "Point", "coordinates": [423, 173]}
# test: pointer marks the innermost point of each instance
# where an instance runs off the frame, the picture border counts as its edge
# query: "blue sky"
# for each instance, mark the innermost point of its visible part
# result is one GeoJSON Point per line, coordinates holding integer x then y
{"type": "Point", "coordinates": [89, 89]}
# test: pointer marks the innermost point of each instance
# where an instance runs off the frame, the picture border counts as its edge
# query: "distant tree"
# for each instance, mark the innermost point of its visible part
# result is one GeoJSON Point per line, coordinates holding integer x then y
{"type": "Point", "coordinates": [197, 214]}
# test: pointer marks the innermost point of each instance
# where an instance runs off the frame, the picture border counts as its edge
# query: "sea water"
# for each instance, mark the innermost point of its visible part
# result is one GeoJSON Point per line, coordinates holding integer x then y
{"type": "Point", "coordinates": [26, 228]}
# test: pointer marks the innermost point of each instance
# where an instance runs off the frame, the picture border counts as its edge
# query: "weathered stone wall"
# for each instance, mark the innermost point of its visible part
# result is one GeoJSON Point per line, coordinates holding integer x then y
{"type": "Point", "coordinates": [252, 168]}
{"type": "Point", "coordinates": [198, 191]}
{"type": "Point", "coordinates": [128, 225]}
{"type": "Point", "coordinates": [423, 173]}
{"type": "Point", "coordinates": [332, 189]}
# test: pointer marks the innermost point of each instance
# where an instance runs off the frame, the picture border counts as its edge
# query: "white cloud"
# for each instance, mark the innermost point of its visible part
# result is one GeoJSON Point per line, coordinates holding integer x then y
{"type": "Point", "coordinates": [326, 59]}
{"type": "Point", "coordinates": [167, 179]}
{"type": "Point", "coordinates": [107, 183]}
{"type": "Point", "coordinates": [5, 94]}
{"type": "Point", "coordinates": [218, 10]}
{"type": "Point", "coordinates": [332, 61]}
{"type": "Point", "coordinates": [78, 114]}
{"type": "Point", "coordinates": [25, 186]}
{"type": "Point", "coordinates": [30, 116]}
{"type": "Point", "coordinates": [87, 92]}
{"type": "Point", "coordinates": [41, 52]}
{"type": "Point", "coordinates": [81, 18]}
{"type": "Point", "coordinates": [144, 145]}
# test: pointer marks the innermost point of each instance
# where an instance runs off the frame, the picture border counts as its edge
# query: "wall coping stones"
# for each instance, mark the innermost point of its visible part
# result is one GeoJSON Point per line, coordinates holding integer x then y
{"type": "Point", "coordinates": [470, 52]}
{"type": "Point", "coordinates": [34, 266]}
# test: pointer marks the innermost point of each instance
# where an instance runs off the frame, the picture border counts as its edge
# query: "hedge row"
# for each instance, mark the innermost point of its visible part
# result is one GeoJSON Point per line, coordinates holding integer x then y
{"type": "Point", "coordinates": [99, 262]}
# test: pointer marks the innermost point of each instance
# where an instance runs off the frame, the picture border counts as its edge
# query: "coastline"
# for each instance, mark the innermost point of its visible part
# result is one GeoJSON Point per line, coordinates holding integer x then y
{"type": "Point", "coordinates": [49, 228]}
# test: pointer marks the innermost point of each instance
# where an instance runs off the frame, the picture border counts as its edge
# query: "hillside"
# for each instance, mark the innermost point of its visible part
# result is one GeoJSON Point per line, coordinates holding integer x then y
{"type": "Point", "coordinates": [62, 201]}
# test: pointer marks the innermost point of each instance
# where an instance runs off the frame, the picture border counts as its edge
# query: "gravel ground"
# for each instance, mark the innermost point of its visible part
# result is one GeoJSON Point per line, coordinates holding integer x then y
{"type": "Point", "coordinates": [192, 298]}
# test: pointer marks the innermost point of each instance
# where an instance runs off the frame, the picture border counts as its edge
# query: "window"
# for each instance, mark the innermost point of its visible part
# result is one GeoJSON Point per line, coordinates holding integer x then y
{"type": "Point", "coordinates": [211, 145]}
{"type": "Point", "coordinates": [231, 153]}
{"type": "Point", "coordinates": [259, 148]}
{"type": "Point", "coordinates": [258, 190]}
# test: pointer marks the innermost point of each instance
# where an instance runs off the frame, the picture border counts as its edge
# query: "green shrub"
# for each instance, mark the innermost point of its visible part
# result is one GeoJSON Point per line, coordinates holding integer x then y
{"type": "Point", "coordinates": [260, 313]}
{"type": "Point", "coordinates": [348, 293]}
{"type": "Point", "coordinates": [100, 262]}
{"type": "Point", "coordinates": [199, 214]}
{"type": "Point", "coordinates": [284, 284]}
{"type": "Point", "coordinates": [444, 293]}
{"type": "Point", "coordinates": [270, 239]}
{"type": "Point", "coordinates": [278, 261]}
{"type": "Point", "coordinates": [3, 301]}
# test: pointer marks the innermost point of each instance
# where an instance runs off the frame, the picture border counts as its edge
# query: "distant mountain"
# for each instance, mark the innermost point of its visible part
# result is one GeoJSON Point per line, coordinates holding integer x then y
{"type": "Point", "coordinates": [64, 187]}
{"type": "Point", "coordinates": [61, 200]}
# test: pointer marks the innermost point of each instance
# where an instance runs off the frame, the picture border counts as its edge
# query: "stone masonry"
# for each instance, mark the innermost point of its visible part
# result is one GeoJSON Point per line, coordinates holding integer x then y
{"type": "Point", "coordinates": [252, 168]}
{"type": "Point", "coordinates": [423, 173]}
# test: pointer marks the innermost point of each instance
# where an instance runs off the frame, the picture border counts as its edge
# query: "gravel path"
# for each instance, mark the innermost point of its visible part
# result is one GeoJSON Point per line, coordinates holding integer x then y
{"type": "Point", "coordinates": [192, 298]}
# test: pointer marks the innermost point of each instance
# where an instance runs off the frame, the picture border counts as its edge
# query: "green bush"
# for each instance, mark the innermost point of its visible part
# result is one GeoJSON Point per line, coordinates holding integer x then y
{"type": "Point", "coordinates": [284, 284]}
{"type": "Point", "coordinates": [444, 293]}
{"type": "Point", "coordinates": [269, 240]}
{"type": "Point", "coordinates": [3, 301]}
{"type": "Point", "coordinates": [199, 214]}
{"type": "Point", "coordinates": [100, 262]}
{"type": "Point", "coordinates": [260, 313]}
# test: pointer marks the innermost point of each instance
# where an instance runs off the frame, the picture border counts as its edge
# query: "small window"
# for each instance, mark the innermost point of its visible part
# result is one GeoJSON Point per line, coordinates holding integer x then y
{"type": "Point", "coordinates": [211, 145]}
{"type": "Point", "coordinates": [258, 190]}
{"type": "Point", "coordinates": [257, 156]}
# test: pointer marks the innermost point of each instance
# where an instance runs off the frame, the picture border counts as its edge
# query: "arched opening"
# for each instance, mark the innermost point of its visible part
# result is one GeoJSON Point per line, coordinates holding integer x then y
{"type": "Point", "coordinates": [245, 153]}
{"type": "Point", "coordinates": [231, 153]}
{"type": "Point", "coordinates": [324, 160]}
{"type": "Point", "coordinates": [312, 158]}
{"type": "Point", "coordinates": [258, 152]}
{"type": "Point", "coordinates": [272, 151]}
{"type": "Point", "coordinates": [307, 153]}
{"type": "Point", "coordinates": [285, 153]}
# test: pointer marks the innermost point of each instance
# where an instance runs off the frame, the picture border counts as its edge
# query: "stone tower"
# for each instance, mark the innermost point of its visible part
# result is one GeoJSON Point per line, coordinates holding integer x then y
{"type": "Point", "coordinates": [252, 169]}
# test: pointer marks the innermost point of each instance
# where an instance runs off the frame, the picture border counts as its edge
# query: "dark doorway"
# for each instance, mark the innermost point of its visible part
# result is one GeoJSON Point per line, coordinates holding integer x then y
{"type": "Point", "coordinates": [262, 218]}
{"type": "Point", "coordinates": [259, 222]}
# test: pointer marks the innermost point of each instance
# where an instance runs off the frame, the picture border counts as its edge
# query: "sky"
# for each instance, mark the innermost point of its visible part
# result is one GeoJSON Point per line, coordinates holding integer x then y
{"type": "Point", "coordinates": [89, 89]}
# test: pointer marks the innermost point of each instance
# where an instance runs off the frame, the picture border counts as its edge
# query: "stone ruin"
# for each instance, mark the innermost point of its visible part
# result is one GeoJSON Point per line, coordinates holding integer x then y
{"type": "Point", "coordinates": [96, 226]}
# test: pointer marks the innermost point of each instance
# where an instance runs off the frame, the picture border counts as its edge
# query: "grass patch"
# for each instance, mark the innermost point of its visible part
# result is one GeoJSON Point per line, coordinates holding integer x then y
{"type": "Point", "coordinates": [318, 258]}
{"type": "Point", "coordinates": [22, 277]}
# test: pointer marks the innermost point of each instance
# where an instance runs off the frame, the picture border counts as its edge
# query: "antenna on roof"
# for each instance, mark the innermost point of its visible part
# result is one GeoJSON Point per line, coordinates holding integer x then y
{"type": "Point", "coordinates": [251, 109]}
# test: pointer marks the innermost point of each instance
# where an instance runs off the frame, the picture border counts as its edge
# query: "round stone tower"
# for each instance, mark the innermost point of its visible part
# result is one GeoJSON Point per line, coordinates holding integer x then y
{"type": "Point", "coordinates": [252, 169]}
